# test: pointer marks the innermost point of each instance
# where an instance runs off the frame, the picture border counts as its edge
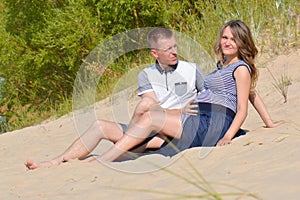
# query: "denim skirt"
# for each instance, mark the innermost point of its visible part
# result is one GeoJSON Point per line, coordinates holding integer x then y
{"type": "Point", "coordinates": [205, 129]}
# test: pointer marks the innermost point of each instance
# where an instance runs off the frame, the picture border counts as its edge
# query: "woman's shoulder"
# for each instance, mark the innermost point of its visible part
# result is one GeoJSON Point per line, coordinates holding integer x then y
{"type": "Point", "coordinates": [239, 64]}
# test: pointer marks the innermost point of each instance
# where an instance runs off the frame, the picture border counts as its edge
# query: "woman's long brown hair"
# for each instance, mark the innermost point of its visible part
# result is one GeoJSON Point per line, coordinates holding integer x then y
{"type": "Point", "coordinates": [246, 47]}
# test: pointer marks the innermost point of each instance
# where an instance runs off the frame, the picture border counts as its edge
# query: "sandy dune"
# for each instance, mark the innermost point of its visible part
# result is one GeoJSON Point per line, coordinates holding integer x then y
{"type": "Point", "coordinates": [265, 162]}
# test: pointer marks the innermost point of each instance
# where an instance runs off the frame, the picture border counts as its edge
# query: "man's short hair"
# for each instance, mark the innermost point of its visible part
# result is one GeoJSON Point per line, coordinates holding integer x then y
{"type": "Point", "coordinates": [156, 34]}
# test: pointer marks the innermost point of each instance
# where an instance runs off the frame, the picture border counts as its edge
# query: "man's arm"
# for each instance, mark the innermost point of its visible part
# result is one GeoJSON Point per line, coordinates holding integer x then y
{"type": "Point", "coordinates": [150, 95]}
{"type": "Point", "coordinates": [199, 79]}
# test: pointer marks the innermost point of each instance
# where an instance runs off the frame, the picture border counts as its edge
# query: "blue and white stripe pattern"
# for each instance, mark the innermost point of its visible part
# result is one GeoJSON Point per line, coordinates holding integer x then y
{"type": "Point", "coordinates": [220, 87]}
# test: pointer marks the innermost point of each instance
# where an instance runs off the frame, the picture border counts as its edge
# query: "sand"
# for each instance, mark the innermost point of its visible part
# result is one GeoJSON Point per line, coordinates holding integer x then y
{"type": "Point", "coordinates": [265, 162]}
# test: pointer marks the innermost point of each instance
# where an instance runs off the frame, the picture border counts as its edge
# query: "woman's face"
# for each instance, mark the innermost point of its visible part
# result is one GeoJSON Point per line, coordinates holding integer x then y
{"type": "Point", "coordinates": [228, 43]}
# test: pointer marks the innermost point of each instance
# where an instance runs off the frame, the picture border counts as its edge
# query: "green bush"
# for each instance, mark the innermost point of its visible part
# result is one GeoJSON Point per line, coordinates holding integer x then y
{"type": "Point", "coordinates": [43, 43]}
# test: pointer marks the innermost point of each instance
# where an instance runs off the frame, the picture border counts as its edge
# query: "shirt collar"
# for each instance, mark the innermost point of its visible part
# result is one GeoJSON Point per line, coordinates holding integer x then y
{"type": "Point", "coordinates": [172, 69]}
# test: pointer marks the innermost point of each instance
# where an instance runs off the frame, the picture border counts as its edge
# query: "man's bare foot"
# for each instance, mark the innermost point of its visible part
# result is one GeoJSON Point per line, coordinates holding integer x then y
{"type": "Point", "coordinates": [29, 164]}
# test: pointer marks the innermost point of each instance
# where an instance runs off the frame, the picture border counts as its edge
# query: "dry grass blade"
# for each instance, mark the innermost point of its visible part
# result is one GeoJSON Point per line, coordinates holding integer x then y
{"type": "Point", "coordinates": [205, 188]}
{"type": "Point", "coordinates": [282, 84]}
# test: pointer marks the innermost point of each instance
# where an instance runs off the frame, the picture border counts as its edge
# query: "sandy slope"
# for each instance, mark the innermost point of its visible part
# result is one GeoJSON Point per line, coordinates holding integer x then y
{"type": "Point", "coordinates": [265, 161]}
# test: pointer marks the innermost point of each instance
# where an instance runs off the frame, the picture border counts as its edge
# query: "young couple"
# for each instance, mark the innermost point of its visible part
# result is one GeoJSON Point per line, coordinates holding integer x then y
{"type": "Point", "coordinates": [168, 90]}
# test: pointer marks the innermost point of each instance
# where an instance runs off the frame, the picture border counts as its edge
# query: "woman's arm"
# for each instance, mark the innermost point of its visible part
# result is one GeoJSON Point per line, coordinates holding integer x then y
{"type": "Point", "coordinates": [243, 82]}
{"type": "Point", "coordinates": [261, 109]}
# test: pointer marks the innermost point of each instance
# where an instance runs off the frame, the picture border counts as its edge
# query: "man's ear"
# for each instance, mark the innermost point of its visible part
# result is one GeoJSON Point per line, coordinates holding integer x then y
{"type": "Point", "coordinates": [154, 53]}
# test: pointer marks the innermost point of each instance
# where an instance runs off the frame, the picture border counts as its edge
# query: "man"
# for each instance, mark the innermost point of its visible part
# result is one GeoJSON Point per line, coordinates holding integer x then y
{"type": "Point", "coordinates": [169, 83]}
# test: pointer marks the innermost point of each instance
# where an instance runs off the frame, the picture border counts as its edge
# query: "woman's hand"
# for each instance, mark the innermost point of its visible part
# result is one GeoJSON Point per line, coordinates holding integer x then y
{"type": "Point", "coordinates": [272, 124]}
{"type": "Point", "coordinates": [224, 141]}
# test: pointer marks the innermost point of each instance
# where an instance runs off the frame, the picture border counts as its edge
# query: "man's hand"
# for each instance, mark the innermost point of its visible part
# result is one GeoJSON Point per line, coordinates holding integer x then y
{"type": "Point", "coordinates": [191, 108]}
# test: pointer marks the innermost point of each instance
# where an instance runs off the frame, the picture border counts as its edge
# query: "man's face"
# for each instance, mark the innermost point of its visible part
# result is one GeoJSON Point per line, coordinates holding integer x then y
{"type": "Point", "coordinates": [166, 53]}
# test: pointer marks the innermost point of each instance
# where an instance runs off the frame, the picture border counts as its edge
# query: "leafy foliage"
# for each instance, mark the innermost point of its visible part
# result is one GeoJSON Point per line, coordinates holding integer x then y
{"type": "Point", "coordinates": [43, 43]}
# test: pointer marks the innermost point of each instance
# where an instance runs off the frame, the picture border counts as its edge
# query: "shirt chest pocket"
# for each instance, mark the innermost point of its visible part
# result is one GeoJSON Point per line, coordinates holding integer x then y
{"type": "Point", "coordinates": [180, 88]}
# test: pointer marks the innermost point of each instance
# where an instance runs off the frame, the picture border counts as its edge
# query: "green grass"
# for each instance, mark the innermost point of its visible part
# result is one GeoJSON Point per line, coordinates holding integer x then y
{"type": "Point", "coordinates": [274, 24]}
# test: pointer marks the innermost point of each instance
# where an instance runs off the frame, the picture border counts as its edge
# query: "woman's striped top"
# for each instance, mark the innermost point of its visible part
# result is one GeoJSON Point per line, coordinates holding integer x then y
{"type": "Point", "coordinates": [220, 87]}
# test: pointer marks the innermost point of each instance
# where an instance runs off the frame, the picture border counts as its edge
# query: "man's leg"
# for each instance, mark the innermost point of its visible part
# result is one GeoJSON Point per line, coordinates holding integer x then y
{"type": "Point", "coordinates": [143, 106]}
{"type": "Point", "coordinates": [85, 144]}
{"type": "Point", "coordinates": [164, 122]}
{"type": "Point", "coordinates": [146, 104]}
